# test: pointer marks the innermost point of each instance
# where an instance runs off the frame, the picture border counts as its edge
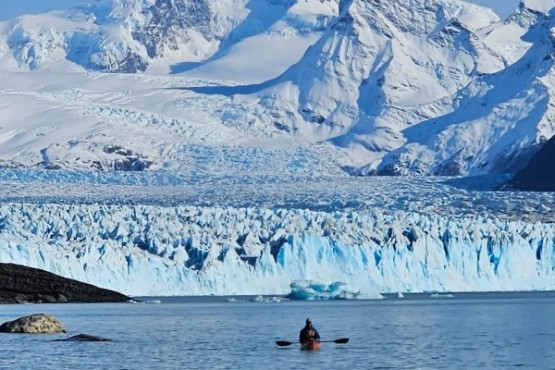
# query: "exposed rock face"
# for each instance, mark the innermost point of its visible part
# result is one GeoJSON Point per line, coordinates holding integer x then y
{"type": "Point", "coordinates": [21, 284]}
{"type": "Point", "coordinates": [38, 323]}
{"type": "Point", "coordinates": [168, 19]}
{"type": "Point", "coordinates": [539, 175]}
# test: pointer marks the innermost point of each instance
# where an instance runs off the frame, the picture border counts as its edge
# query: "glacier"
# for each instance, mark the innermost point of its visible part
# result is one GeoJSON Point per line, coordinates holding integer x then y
{"type": "Point", "coordinates": [207, 240]}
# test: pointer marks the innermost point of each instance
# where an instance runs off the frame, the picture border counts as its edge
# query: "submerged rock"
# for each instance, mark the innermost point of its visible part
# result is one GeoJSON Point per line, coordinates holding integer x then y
{"type": "Point", "coordinates": [84, 338]}
{"type": "Point", "coordinates": [37, 323]}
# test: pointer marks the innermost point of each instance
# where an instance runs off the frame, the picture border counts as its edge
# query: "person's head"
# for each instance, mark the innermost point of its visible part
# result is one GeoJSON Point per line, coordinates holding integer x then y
{"type": "Point", "coordinates": [308, 323]}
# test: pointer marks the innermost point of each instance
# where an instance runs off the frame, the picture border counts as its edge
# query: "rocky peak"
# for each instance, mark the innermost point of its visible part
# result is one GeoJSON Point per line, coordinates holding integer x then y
{"type": "Point", "coordinates": [526, 15]}
{"type": "Point", "coordinates": [539, 174]}
{"type": "Point", "coordinates": [168, 23]}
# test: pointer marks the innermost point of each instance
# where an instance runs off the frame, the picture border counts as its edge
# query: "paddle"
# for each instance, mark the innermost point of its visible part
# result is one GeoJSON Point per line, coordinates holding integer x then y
{"type": "Point", "coordinates": [283, 343]}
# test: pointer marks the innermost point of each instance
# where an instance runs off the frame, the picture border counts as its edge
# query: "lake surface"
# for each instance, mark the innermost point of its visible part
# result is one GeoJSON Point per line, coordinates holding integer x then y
{"type": "Point", "coordinates": [467, 331]}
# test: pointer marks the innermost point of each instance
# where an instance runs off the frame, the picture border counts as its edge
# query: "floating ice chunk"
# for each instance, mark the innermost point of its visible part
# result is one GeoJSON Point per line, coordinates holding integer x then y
{"type": "Point", "coordinates": [153, 301]}
{"type": "Point", "coordinates": [400, 295]}
{"type": "Point", "coordinates": [268, 299]}
{"type": "Point", "coordinates": [257, 299]}
{"type": "Point", "coordinates": [309, 290]}
{"type": "Point", "coordinates": [438, 295]}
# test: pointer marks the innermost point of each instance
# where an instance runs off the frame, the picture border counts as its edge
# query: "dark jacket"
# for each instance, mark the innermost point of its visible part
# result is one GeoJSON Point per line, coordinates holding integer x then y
{"type": "Point", "coordinates": [304, 335]}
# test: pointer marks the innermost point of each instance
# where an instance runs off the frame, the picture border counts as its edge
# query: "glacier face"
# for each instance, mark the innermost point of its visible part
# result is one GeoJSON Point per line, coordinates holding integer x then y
{"type": "Point", "coordinates": [225, 250]}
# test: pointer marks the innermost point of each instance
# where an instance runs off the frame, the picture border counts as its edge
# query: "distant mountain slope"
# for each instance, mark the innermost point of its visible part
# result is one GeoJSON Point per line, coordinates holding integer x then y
{"type": "Point", "coordinates": [123, 35]}
{"type": "Point", "coordinates": [378, 69]}
{"type": "Point", "coordinates": [498, 121]}
{"type": "Point", "coordinates": [427, 87]}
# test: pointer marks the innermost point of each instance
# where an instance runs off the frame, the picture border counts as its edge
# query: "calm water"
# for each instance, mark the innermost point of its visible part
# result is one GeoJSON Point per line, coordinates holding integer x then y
{"type": "Point", "coordinates": [474, 331]}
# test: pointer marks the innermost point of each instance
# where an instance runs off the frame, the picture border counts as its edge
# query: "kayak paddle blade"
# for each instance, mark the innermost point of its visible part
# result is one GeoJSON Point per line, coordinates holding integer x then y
{"type": "Point", "coordinates": [341, 340]}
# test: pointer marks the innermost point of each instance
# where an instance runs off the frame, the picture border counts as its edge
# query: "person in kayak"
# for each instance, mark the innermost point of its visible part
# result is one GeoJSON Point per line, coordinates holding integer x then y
{"type": "Point", "coordinates": [308, 333]}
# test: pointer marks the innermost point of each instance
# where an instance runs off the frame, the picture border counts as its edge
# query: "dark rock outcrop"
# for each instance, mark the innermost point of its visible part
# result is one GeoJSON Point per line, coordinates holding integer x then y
{"type": "Point", "coordinates": [539, 175]}
{"type": "Point", "coordinates": [22, 284]}
{"type": "Point", "coordinates": [34, 324]}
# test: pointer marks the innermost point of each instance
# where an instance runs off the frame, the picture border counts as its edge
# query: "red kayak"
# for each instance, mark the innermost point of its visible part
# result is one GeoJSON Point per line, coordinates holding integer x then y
{"type": "Point", "coordinates": [311, 346]}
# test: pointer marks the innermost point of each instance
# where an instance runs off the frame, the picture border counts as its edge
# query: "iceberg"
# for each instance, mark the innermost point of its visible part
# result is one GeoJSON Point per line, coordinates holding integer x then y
{"type": "Point", "coordinates": [314, 291]}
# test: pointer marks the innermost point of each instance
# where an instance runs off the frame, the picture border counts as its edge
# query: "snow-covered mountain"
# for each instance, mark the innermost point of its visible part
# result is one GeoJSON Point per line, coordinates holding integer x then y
{"type": "Point", "coordinates": [495, 125]}
{"type": "Point", "coordinates": [428, 87]}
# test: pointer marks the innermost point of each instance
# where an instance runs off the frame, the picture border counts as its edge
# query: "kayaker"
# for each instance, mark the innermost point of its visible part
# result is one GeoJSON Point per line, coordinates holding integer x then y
{"type": "Point", "coordinates": [308, 333]}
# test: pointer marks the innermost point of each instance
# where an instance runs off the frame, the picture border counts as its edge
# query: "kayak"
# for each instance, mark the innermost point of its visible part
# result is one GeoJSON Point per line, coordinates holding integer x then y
{"type": "Point", "coordinates": [312, 345]}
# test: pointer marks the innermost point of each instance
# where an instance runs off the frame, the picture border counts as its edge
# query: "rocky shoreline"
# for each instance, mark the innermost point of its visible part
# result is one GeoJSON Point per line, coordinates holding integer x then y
{"type": "Point", "coordinates": [22, 284]}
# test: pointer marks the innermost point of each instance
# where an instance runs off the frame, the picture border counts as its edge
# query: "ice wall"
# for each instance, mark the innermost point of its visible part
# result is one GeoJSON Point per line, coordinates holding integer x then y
{"type": "Point", "coordinates": [152, 250]}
